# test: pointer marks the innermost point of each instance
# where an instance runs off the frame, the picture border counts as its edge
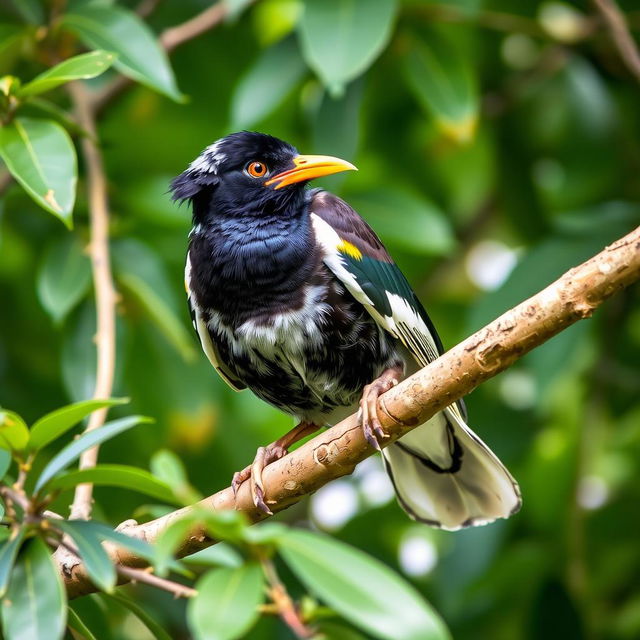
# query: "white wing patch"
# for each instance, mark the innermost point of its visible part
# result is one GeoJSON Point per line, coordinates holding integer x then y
{"type": "Point", "coordinates": [403, 323]}
{"type": "Point", "coordinates": [329, 240]}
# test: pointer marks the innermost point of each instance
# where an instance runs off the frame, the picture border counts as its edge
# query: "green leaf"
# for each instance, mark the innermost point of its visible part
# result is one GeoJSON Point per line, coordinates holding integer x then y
{"type": "Point", "coordinates": [160, 313]}
{"type": "Point", "coordinates": [218, 555]}
{"type": "Point", "coordinates": [84, 442]}
{"type": "Point", "coordinates": [117, 475]}
{"type": "Point", "coordinates": [5, 462]}
{"type": "Point", "coordinates": [333, 631]}
{"type": "Point", "coordinates": [84, 66]}
{"type": "Point", "coordinates": [40, 156]}
{"type": "Point", "coordinates": [64, 277]}
{"type": "Point", "coordinates": [156, 629]}
{"type": "Point", "coordinates": [411, 222]}
{"type": "Point", "coordinates": [266, 533]}
{"type": "Point", "coordinates": [235, 7]}
{"type": "Point", "coordinates": [340, 39]}
{"type": "Point", "coordinates": [268, 81]}
{"type": "Point", "coordinates": [226, 606]}
{"type": "Point", "coordinates": [138, 547]}
{"type": "Point", "coordinates": [117, 29]}
{"type": "Point", "coordinates": [166, 466]}
{"type": "Point", "coordinates": [38, 608]}
{"type": "Point", "coordinates": [140, 271]}
{"type": "Point", "coordinates": [54, 424]}
{"type": "Point", "coordinates": [444, 84]}
{"type": "Point", "coordinates": [75, 623]}
{"type": "Point", "coordinates": [8, 553]}
{"type": "Point", "coordinates": [170, 539]}
{"type": "Point", "coordinates": [96, 559]}
{"type": "Point", "coordinates": [360, 588]}
{"type": "Point", "coordinates": [336, 129]}
{"type": "Point", "coordinates": [14, 433]}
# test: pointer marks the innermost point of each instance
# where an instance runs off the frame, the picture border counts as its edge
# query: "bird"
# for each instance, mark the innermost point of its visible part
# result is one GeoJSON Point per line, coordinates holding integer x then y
{"type": "Point", "coordinates": [294, 297]}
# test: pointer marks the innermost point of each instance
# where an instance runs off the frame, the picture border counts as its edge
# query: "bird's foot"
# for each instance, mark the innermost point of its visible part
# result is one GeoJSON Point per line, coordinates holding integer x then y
{"type": "Point", "coordinates": [368, 414]}
{"type": "Point", "coordinates": [265, 456]}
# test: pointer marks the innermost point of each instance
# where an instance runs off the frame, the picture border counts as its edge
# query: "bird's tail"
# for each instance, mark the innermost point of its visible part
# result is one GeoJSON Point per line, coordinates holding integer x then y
{"type": "Point", "coordinates": [445, 476]}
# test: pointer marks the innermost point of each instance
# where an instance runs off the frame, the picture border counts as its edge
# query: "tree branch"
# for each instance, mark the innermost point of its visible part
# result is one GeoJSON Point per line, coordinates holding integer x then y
{"type": "Point", "coordinates": [620, 34]}
{"type": "Point", "coordinates": [169, 39]}
{"type": "Point", "coordinates": [103, 284]}
{"type": "Point", "coordinates": [336, 452]}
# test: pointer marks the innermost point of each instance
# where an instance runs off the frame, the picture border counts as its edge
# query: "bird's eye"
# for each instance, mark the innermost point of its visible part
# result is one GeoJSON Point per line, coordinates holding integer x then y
{"type": "Point", "coordinates": [257, 169]}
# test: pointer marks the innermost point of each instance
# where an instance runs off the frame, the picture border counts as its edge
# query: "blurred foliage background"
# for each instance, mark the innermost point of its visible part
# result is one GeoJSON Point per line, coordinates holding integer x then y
{"type": "Point", "coordinates": [497, 143]}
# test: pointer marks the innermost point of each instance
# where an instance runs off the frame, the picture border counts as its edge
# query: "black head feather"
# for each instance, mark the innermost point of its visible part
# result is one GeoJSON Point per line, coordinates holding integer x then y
{"type": "Point", "coordinates": [217, 181]}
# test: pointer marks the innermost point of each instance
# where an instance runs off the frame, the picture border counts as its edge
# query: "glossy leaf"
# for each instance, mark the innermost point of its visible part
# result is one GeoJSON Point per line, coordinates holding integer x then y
{"type": "Point", "coordinates": [40, 156]}
{"type": "Point", "coordinates": [142, 276]}
{"type": "Point", "coordinates": [75, 623]}
{"type": "Point", "coordinates": [336, 129]}
{"type": "Point", "coordinates": [341, 38]}
{"type": "Point", "coordinates": [8, 552]}
{"type": "Point", "coordinates": [160, 313]}
{"type": "Point", "coordinates": [443, 83]}
{"type": "Point", "coordinates": [5, 462]}
{"type": "Point", "coordinates": [14, 433]}
{"type": "Point", "coordinates": [84, 66]}
{"type": "Point", "coordinates": [226, 606]}
{"type": "Point", "coordinates": [120, 30]}
{"type": "Point", "coordinates": [409, 221]}
{"type": "Point", "coordinates": [170, 539]}
{"type": "Point", "coordinates": [96, 560]}
{"type": "Point", "coordinates": [156, 629]}
{"type": "Point", "coordinates": [72, 451]}
{"type": "Point", "coordinates": [266, 84]}
{"type": "Point", "coordinates": [219, 555]}
{"type": "Point", "coordinates": [54, 424]}
{"type": "Point", "coordinates": [64, 277]}
{"type": "Point", "coordinates": [168, 467]}
{"type": "Point", "coordinates": [38, 609]}
{"type": "Point", "coordinates": [104, 532]}
{"type": "Point", "coordinates": [117, 475]}
{"type": "Point", "coordinates": [332, 631]}
{"type": "Point", "coordinates": [360, 588]}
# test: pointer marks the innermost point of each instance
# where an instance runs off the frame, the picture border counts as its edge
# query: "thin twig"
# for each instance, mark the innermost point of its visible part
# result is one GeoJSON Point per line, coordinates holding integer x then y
{"type": "Point", "coordinates": [146, 577]}
{"type": "Point", "coordinates": [620, 34]}
{"type": "Point", "coordinates": [105, 294]}
{"type": "Point", "coordinates": [282, 600]}
{"type": "Point", "coordinates": [336, 451]}
{"type": "Point", "coordinates": [130, 574]}
{"type": "Point", "coordinates": [169, 39]}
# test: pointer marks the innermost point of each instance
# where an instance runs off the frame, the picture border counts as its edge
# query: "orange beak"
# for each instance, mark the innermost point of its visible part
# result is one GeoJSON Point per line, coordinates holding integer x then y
{"type": "Point", "coordinates": [309, 167]}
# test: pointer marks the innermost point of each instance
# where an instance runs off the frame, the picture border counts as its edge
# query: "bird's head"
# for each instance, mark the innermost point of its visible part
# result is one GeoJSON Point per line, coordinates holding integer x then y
{"type": "Point", "coordinates": [250, 173]}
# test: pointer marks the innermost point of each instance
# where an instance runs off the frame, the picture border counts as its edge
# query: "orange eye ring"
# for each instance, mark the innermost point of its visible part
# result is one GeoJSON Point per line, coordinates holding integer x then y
{"type": "Point", "coordinates": [257, 169]}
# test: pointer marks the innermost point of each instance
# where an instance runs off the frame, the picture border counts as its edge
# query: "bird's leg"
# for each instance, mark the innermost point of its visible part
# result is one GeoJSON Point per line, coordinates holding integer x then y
{"type": "Point", "coordinates": [368, 413]}
{"type": "Point", "coordinates": [265, 456]}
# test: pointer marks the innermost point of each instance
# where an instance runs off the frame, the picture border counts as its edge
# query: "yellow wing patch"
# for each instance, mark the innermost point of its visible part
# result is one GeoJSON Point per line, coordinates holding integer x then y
{"type": "Point", "coordinates": [350, 249]}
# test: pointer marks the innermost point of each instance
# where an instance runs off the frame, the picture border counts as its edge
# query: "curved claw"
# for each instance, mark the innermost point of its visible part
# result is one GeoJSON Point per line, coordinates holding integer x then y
{"type": "Point", "coordinates": [368, 413]}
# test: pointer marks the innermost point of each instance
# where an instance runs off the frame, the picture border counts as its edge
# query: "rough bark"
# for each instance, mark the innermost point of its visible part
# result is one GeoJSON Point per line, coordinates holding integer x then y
{"type": "Point", "coordinates": [338, 450]}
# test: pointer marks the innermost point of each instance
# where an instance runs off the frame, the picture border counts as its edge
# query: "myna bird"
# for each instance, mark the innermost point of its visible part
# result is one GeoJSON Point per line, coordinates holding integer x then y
{"type": "Point", "coordinates": [294, 297]}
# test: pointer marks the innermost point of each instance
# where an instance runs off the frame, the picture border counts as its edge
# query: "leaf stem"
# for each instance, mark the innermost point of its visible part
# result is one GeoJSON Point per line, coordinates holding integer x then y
{"type": "Point", "coordinates": [282, 601]}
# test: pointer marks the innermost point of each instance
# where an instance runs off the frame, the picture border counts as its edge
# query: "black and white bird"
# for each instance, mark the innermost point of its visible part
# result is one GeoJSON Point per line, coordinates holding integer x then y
{"type": "Point", "coordinates": [294, 297]}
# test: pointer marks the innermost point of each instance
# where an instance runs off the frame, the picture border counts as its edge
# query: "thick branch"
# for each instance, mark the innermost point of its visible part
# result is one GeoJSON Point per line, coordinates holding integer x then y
{"type": "Point", "coordinates": [105, 294]}
{"type": "Point", "coordinates": [336, 452]}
